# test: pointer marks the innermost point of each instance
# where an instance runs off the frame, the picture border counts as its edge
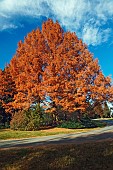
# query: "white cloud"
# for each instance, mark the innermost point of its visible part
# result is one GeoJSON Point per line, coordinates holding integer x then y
{"type": "Point", "coordinates": [87, 32]}
{"type": "Point", "coordinates": [7, 26]}
{"type": "Point", "coordinates": [104, 9]}
{"type": "Point", "coordinates": [88, 18]}
{"type": "Point", "coordinates": [94, 35]}
{"type": "Point", "coordinates": [23, 7]}
{"type": "Point", "coordinates": [70, 13]}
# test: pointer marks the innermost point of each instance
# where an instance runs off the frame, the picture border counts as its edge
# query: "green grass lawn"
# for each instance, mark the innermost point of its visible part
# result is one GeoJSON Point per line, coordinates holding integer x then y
{"type": "Point", "coordinates": [11, 134]}
{"type": "Point", "coordinates": [92, 156]}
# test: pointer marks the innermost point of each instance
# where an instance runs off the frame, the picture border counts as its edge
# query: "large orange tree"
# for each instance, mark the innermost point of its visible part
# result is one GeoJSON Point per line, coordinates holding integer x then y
{"type": "Point", "coordinates": [54, 64]}
{"type": "Point", "coordinates": [72, 78]}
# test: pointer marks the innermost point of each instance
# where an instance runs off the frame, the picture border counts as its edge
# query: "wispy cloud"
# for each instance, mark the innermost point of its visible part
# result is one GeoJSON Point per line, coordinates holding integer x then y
{"type": "Point", "coordinates": [7, 26]}
{"type": "Point", "coordinates": [94, 35]}
{"type": "Point", "coordinates": [89, 19]}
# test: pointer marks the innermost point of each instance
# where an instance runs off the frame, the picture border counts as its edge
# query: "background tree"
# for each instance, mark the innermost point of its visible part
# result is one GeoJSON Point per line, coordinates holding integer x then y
{"type": "Point", "coordinates": [106, 110]}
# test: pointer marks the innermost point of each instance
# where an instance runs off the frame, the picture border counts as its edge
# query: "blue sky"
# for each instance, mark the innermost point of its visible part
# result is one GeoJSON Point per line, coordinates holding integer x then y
{"type": "Point", "coordinates": [92, 20]}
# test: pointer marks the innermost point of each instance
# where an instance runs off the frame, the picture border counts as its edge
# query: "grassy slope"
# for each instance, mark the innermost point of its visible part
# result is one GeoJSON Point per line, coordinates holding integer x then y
{"type": "Point", "coordinates": [10, 134]}
{"type": "Point", "coordinates": [92, 156]}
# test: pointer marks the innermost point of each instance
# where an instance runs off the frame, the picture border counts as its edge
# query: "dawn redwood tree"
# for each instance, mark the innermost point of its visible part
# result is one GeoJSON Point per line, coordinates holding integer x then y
{"type": "Point", "coordinates": [57, 65]}
{"type": "Point", "coordinates": [72, 78]}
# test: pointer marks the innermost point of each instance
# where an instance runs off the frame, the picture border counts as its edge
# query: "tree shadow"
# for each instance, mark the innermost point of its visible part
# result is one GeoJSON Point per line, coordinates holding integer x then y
{"type": "Point", "coordinates": [85, 152]}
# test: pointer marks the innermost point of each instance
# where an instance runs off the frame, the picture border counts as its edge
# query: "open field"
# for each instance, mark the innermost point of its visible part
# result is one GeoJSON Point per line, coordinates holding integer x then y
{"type": "Point", "coordinates": [11, 134]}
{"type": "Point", "coordinates": [89, 156]}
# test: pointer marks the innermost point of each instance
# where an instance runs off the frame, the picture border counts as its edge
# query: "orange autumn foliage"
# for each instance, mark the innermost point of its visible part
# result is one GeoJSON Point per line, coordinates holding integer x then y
{"type": "Point", "coordinates": [54, 63]}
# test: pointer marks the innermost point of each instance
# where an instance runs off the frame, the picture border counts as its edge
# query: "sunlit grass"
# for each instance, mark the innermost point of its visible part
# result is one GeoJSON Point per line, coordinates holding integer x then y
{"type": "Point", "coordinates": [92, 156]}
{"type": "Point", "coordinates": [11, 134]}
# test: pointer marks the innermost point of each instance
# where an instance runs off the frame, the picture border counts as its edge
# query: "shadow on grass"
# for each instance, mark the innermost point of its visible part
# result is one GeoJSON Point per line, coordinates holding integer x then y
{"type": "Point", "coordinates": [88, 156]}
{"type": "Point", "coordinates": [86, 152]}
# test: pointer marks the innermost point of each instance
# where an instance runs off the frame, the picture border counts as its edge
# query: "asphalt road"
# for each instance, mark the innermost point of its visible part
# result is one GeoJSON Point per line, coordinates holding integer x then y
{"type": "Point", "coordinates": [105, 133]}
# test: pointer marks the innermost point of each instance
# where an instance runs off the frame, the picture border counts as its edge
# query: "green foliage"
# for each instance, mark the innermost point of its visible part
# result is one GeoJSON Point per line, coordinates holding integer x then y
{"type": "Point", "coordinates": [85, 122]}
{"type": "Point", "coordinates": [99, 123]}
{"type": "Point", "coordinates": [71, 125]}
{"type": "Point", "coordinates": [47, 119]}
{"type": "Point", "coordinates": [28, 120]}
{"type": "Point", "coordinates": [1, 124]}
{"type": "Point", "coordinates": [35, 118]}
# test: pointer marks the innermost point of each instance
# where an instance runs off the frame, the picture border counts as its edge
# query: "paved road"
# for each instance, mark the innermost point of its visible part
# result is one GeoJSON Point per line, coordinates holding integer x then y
{"type": "Point", "coordinates": [94, 135]}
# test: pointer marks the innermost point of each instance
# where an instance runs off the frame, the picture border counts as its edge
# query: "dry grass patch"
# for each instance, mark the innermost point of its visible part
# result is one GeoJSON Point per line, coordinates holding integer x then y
{"type": "Point", "coordinates": [64, 130]}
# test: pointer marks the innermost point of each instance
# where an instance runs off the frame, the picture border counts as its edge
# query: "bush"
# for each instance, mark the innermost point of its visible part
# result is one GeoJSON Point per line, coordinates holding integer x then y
{"type": "Point", "coordinates": [84, 122]}
{"type": "Point", "coordinates": [33, 120]}
{"type": "Point", "coordinates": [26, 120]}
{"type": "Point", "coordinates": [47, 119]}
{"type": "Point", "coordinates": [88, 123]}
{"type": "Point", "coordinates": [99, 123]}
{"type": "Point", "coordinates": [19, 121]}
{"type": "Point", "coordinates": [71, 125]}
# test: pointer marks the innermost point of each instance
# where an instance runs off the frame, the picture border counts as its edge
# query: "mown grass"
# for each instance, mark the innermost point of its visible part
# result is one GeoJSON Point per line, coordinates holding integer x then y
{"type": "Point", "coordinates": [11, 134]}
{"type": "Point", "coordinates": [90, 156]}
